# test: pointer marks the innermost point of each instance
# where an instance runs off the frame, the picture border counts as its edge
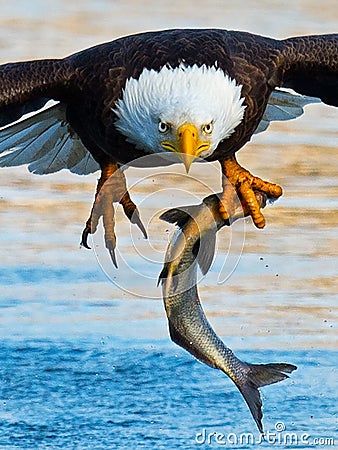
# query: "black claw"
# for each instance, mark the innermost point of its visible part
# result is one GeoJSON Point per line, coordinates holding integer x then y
{"type": "Point", "coordinates": [137, 221]}
{"type": "Point", "coordinates": [110, 246]}
{"type": "Point", "coordinates": [113, 258]}
{"type": "Point", "coordinates": [84, 238]}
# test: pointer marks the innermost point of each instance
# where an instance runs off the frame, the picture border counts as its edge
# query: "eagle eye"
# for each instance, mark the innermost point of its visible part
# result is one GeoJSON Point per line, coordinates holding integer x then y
{"type": "Point", "coordinates": [207, 128]}
{"type": "Point", "coordinates": [163, 127]}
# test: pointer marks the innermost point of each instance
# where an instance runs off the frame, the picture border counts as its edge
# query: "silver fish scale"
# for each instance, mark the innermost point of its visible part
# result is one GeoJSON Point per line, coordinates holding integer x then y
{"type": "Point", "coordinates": [188, 325]}
{"type": "Point", "coordinates": [186, 315]}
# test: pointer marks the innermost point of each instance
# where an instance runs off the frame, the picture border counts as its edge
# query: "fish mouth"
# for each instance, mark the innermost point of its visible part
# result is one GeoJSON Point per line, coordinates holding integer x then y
{"type": "Point", "coordinates": [263, 199]}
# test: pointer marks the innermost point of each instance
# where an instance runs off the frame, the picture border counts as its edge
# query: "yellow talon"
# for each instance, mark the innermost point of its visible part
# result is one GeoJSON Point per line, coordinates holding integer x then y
{"type": "Point", "coordinates": [240, 181]}
{"type": "Point", "coordinates": [111, 187]}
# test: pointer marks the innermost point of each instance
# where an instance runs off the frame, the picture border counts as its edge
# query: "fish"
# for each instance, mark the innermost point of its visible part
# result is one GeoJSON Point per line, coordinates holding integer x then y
{"type": "Point", "coordinates": [193, 245]}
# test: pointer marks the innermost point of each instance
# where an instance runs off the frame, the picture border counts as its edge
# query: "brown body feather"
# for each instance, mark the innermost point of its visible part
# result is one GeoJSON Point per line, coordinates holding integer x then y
{"type": "Point", "coordinates": [91, 81]}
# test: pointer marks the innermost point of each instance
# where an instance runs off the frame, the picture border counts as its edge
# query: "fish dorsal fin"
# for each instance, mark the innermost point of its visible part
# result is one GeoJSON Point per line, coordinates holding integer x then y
{"type": "Point", "coordinates": [179, 216]}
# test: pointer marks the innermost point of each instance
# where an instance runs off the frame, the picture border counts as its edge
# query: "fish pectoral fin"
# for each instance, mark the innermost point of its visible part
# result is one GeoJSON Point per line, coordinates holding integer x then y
{"type": "Point", "coordinates": [204, 251]}
{"type": "Point", "coordinates": [262, 375]}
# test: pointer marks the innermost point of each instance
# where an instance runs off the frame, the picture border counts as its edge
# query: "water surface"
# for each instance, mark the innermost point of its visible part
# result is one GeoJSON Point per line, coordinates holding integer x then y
{"type": "Point", "coordinates": [85, 357]}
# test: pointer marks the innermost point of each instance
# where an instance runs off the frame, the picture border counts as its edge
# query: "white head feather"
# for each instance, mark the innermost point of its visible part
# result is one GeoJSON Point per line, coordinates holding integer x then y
{"type": "Point", "coordinates": [185, 94]}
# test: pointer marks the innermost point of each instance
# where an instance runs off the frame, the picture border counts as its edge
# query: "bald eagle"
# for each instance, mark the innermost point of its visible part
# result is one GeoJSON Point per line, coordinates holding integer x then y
{"type": "Point", "coordinates": [195, 92]}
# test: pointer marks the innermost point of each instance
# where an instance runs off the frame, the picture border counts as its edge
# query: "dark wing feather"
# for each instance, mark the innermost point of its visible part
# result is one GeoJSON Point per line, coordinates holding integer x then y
{"type": "Point", "coordinates": [311, 66]}
{"type": "Point", "coordinates": [27, 86]}
{"type": "Point", "coordinates": [11, 113]}
{"type": "Point", "coordinates": [46, 141]}
{"type": "Point", "coordinates": [89, 82]}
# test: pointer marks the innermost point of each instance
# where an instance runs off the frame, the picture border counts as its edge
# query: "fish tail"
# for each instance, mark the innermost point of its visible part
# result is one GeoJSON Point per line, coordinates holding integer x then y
{"type": "Point", "coordinates": [260, 375]}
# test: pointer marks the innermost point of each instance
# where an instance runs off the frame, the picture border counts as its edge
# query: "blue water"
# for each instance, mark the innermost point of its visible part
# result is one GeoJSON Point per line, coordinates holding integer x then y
{"type": "Point", "coordinates": [85, 365]}
{"type": "Point", "coordinates": [115, 394]}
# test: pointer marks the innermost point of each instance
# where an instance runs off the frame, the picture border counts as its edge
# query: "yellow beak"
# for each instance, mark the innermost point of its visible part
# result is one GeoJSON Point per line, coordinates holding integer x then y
{"type": "Point", "coordinates": [187, 144]}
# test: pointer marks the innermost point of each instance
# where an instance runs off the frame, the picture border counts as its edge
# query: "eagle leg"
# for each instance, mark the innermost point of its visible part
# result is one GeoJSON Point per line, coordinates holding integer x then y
{"type": "Point", "coordinates": [237, 180]}
{"type": "Point", "coordinates": [111, 187]}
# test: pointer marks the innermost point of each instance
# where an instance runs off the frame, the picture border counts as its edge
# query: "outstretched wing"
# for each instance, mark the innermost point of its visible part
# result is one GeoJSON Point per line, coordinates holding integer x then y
{"type": "Point", "coordinates": [310, 66]}
{"type": "Point", "coordinates": [284, 105]}
{"type": "Point", "coordinates": [46, 142]}
{"type": "Point", "coordinates": [307, 73]}
{"type": "Point", "coordinates": [27, 86]}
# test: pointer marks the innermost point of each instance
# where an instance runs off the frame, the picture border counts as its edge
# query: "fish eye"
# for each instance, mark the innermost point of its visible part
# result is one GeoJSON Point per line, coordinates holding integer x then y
{"type": "Point", "coordinates": [163, 127]}
{"type": "Point", "coordinates": [207, 128]}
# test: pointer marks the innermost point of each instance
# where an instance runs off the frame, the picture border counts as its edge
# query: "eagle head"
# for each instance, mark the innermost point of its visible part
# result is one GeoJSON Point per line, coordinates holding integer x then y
{"type": "Point", "coordinates": [188, 110]}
